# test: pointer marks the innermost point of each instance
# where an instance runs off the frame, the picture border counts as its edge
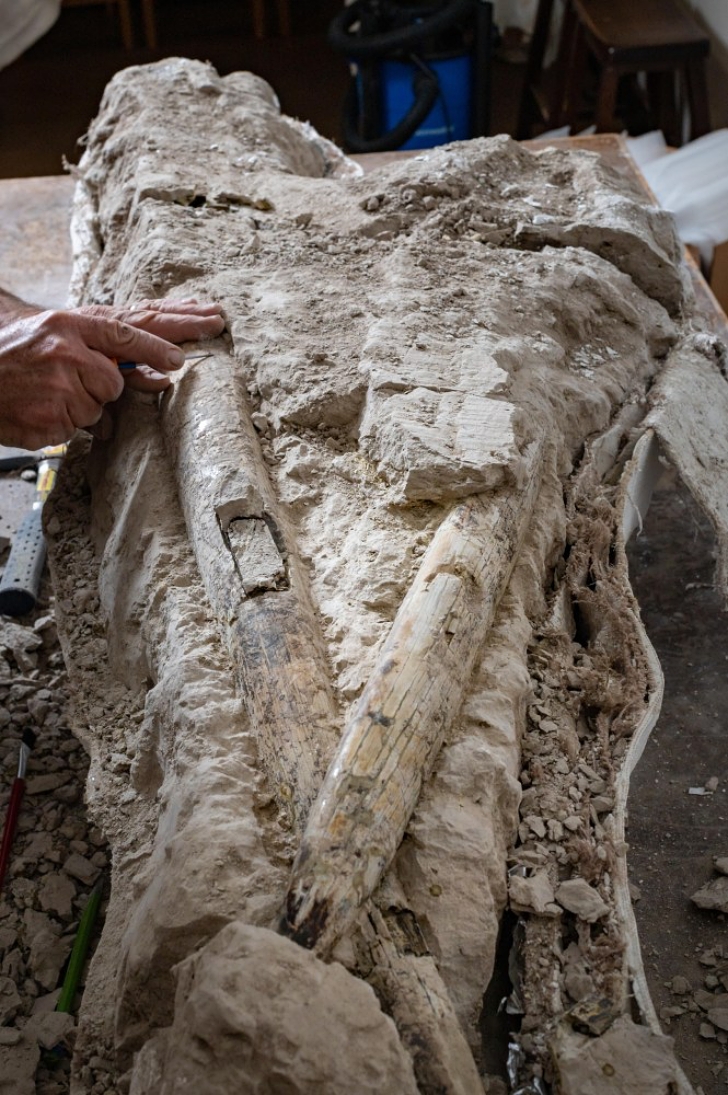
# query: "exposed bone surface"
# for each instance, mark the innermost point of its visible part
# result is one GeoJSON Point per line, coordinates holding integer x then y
{"type": "Point", "coordinates": [366, 637]}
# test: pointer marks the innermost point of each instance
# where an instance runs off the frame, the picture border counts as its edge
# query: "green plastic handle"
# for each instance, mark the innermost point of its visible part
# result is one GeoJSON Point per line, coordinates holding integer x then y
{"type": "Point", "coordinates": [80, 949]}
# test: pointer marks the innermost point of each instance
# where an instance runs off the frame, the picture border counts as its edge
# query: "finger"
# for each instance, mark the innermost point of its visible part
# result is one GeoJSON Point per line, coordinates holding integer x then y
{"type": "Point", "coordinates": [143, 379]}
{"type": "Point", "coordinates": [83, 410]}
{"type": "Point", "coordinates": [189, 305]}
{"type": "Point", "coordinates": [114, 338]}
{"type": "Point", "coordinates": [99, 377]}
{"type": "Point", "coordinates": [186, 306]}
{"type": "Point", "coordinates": [177, 326]}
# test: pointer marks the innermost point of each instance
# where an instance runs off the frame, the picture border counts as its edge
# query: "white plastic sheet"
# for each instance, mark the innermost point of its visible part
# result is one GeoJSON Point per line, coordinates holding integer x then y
{"type": "Point", "coordinates": [692, 183]}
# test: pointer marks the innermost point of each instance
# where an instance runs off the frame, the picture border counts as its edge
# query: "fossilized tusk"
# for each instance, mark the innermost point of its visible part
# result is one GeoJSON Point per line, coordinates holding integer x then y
{"type": "Point", "coordinates": [407, 707]}
{"type": "Point", "coordinates": [252, 579]}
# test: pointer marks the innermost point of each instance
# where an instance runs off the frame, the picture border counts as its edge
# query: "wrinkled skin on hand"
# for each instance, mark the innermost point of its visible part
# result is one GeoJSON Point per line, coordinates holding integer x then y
{"type": "Point", "coordinates": [59, 368]}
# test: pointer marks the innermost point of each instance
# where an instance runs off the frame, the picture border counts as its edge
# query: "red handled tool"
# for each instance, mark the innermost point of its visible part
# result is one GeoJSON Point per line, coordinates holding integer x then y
{"type": "Point", "coordinates": [16, 798]}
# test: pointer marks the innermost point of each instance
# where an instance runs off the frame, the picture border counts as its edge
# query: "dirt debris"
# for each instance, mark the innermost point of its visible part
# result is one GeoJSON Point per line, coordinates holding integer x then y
{"type": "Point", "coordinates": [45, 890]}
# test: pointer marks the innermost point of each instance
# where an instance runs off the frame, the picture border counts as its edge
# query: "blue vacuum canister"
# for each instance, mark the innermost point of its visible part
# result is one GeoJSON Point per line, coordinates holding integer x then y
{"type": "Point", "coordinates": [420, 72]}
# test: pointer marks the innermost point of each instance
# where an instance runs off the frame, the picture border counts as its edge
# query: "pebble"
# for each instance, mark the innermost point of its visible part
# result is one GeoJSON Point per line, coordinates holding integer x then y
{"type": "Point", "coordinates": [534, 894]}
{"type": "Point", "coordinates": [53, 1029]}
{"type": "Point", "coordinates": [719, 1017]}
{"type": "Point", "coordinates": [56, 894]}
{"type": "Point", "coordinates": [578, 897]}
{"type": "Point", "coordinates": [706, 1000]}
{"type": "Point", "coordinates": [713, 895]}
{"type": "Point", "coordinates": [680, 986]}
{"type": "Point", "coordinates": [536, 825]}
{"type": "Point", "coordinates": [81, 868]}
{"type": "Point", "coordinates": [7, 938]}
{"type": "Point", "coordinates": [40, 785]}
{"type": "Point", "coordinates": [10, 1002]}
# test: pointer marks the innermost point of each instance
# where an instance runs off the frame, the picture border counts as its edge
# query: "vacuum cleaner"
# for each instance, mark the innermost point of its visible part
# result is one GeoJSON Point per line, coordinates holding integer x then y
{"type": "Point", "coordinates": [420, 72]}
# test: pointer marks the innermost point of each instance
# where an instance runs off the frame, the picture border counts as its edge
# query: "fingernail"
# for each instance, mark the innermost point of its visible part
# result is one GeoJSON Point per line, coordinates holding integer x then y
{"type": "Point", "coordinates": [176, 358]}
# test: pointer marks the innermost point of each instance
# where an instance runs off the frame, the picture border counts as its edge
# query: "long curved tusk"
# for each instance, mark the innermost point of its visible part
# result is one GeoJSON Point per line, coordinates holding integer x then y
{"type": "Point", "coordinates": [406, 710]}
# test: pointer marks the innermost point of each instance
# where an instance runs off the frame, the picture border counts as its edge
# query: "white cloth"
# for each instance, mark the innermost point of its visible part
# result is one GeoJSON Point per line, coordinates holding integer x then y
{"type": "Point", "coordinates": [23, 22]}
{"type": "Point", "coordinates": [692, 183]}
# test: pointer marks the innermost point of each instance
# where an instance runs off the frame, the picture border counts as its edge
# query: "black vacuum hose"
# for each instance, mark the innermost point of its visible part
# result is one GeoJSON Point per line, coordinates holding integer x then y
{"type": "Point", "coordinates": [426, 89]}
{"type": "Point", "coordinates": [386, 42]}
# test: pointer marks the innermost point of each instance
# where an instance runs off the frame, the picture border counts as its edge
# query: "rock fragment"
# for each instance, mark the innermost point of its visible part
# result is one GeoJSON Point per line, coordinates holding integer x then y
{"type": "Point", "coordinates": [10, 1001]}
{"type": "Point", "coordinates": [272, 1017]}
{"type": "Point", "coordinates": [52, 1029]}
{"type": "Point", "coordinates": [629, 1059]}
{"type": "Point", "coordinates": [18, 1065]}
{"type": "Point", "coordinates": [48, 952]}
{"type": "Point", "coordinates": [718, 1016]}
{"type": "Point", "coordinates": [680, 986]}
{"type": "Point", "coordinates": [77, 866]}
{"type": "Point", "coordinates": [56, 893]}
{"type": "Point", "coordinates": [713, 895]}
{"type": "Point", "coordinates": [534, 894]}
{"type": "Point", "coordinates": [578, 897]}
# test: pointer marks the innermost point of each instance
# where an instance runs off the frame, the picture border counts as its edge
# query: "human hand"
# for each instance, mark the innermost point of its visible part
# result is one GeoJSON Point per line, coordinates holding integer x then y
{"type": "Point", "coordinates": [58, 368]}
{"type": "Point", "coordinates": [173, 320]}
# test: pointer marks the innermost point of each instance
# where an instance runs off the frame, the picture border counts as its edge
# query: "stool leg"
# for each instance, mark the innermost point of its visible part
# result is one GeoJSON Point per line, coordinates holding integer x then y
{"type": "Point", "coordinates": [697, 97]}
{"type": "Point", "coordinates": [259, 18]}
{"type": "Point", "coordinates": [574, 90]}
{"type": "Point", "coordinates": [661, 92]}
{"type": "Point", "coordinates": [150, 24]}
{"type": "Point", "coordinates": [534, 66]}
{"type": "Point", "coordinates": [607, 100]}
{"type": "Point", "coordinates": [284, 18]}
{"type": "Point", "coordinates": [127, 35]}
{"type": "Point", "coordinates": [568, 45]}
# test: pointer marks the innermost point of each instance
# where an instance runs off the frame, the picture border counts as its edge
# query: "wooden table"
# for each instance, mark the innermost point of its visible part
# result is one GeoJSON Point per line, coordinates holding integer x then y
{"type": "Point", "coordinates": [35, 246]}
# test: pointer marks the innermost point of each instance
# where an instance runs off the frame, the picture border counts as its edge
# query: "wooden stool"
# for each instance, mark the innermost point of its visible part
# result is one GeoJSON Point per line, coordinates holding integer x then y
{"type": "Point", "coordinates": [623, 38]}
{"type": "Point", "coordinates": [544, 102]}
{"type": "Point", "coordinates": [657, 37]}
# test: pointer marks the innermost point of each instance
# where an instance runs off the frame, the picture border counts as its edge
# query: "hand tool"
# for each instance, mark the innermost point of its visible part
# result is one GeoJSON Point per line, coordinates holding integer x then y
{"type": "Point", "coordinates": [74, 969]}
{"type": "Point", "coordinates": [127, 366]}
{"type": "Point", "coordinates": [23, 570]}
{"type": "Point", "coordinates": [12, 459]}
{"type": "Point", "coordinates": [16, 798]}
{"type": "Point", "coordinates": [21, 579]}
